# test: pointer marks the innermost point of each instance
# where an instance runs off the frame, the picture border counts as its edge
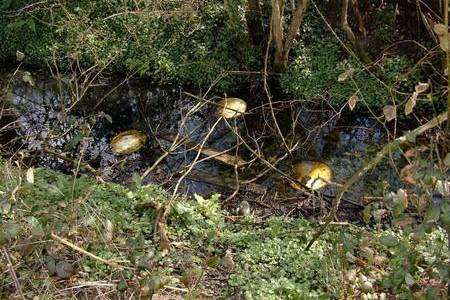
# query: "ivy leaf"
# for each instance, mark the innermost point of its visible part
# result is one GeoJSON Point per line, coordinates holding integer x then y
{"type": "Point", "coordinates": [352, 101]}
{"type": "Point", "coordinates": [389, 240]}
{"type": "Point", "coordinates": [411, 103]}
{"type": "Point", "coordinates": [390, 112]}
{"type": "Point", "coordinates": [421, 87]}
{"type": "Point", "coordinates": [137, 181]}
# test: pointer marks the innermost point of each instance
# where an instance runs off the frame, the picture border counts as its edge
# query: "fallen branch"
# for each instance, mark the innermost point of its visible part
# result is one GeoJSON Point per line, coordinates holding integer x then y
{"type": "Point", "coordinates": [84, 165]}
{"type": "Point", "coordinates": [226, 182]}
{"type": "Point", "coordinates": [220, 156]}
{"type": "Point", "coordinates": [13, 274]}
{"type": "Point", "coordinates": [394, 145]}
{"type": "Point", "coordinates": [81, 250]}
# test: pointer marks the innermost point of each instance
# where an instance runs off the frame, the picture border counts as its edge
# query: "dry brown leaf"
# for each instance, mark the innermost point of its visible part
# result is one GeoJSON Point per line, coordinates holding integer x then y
{"type": "Point", "coordinates": [443, 43]}
{"type": "Point", "coordinates": [390, 112]}
{"type": "Point", "coordinates": [410, 153]}
{"type": "Point", "coordinates": [421, 87]}
{"type": "Point", "coordinates": [404, 222]}
{"type": "Point", "coordinates": [352, 101]}
{"type": "Point", "coordinates": [411, 103]}
{"type": "Point", "coordinates": [407, 173]}
{"type": "Point", "coordinates": [419, 202]}
{"type": "Point", "coordinates": [440, 29]}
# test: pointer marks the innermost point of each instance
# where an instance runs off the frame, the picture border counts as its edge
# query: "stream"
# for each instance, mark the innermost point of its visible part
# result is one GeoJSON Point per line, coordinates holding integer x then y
{"type": "Point", "coordinates": [46, 115]}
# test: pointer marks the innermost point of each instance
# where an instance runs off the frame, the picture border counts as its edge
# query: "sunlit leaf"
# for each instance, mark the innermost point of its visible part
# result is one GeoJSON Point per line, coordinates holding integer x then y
{"type": "Point", "coordinates": [30, 176]}
{"type": "Point", "coordinates": [402, 196]}
{"type": "Point", "coordinates": [109, 230]}
{"type": "Point", "coordinates": [390, 112]}
{"type": "Point", "coordinates": [345, 75]}
{"type": "Point", "coordinates": [19, 55]}
{"type": "Point", "coordinates": [27, 78]}
{"type": "Point", "coordinates": [411, 103]}
{"type": "Point", "coordinates": [352, 101]}
{"type": "Point", "coordinates": [421, 87]}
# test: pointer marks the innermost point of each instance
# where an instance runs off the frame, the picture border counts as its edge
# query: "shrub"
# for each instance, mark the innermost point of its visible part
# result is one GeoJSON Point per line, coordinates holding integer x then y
{"type": "Point", "coordinates": [182, 44]}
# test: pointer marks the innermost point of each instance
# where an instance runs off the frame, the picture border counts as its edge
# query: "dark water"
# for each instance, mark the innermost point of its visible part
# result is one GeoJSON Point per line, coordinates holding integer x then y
{"type": "Point", "coordinates": [85, 131]}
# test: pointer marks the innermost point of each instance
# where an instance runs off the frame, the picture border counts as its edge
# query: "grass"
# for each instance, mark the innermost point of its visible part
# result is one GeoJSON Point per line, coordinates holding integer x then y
{"type": "Point", "coordinates": [213, 252]}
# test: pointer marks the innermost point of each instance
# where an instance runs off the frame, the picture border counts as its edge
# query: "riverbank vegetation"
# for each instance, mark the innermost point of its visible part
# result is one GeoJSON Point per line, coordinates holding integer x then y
{"type": "Point", "coordinates": [215, 202]}
{"type": "Point", "coordinates": [61, 230]}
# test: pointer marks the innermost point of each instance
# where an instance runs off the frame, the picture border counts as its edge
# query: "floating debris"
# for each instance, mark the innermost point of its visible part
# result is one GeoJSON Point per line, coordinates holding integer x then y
{"type": "Point", "coordinates": [230, 108]}
{"type": "Point", "coordinates": [313, 174]}
{"type": "Point", "coordinates": [128, 141]}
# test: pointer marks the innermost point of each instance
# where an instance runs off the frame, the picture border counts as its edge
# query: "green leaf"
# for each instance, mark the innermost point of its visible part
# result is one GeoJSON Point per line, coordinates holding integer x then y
{"type": "Point", "coordinates": [409, 280]}
{"type": "Point", "coordinates": [411, 137]}
{"type": "Point", "coordinates": [389, 240]}
{"type": "Point", "coordinates": [73, 143]}
{"type": "Point", "coordinates": [432, 214]}
{"type": "Point", "coordinates": [137, 182]}
{"type": "Point", "coordinates": [367, 213]}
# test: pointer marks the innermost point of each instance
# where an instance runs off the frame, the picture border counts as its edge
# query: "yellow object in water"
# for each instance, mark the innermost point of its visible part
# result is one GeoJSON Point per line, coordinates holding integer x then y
{"type": "Point", "coordinates": [128, 141]}
{"type": "Point", "coordinates": [313, 174]}
{"type": "Point", "coordinates": [231, 107]}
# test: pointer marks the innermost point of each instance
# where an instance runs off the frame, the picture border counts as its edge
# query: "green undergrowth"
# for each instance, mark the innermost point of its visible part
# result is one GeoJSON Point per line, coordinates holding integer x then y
{"type": "Point", "coordinates": [212, 253]}
{"type": "Point", "coordinates": [170, 41]}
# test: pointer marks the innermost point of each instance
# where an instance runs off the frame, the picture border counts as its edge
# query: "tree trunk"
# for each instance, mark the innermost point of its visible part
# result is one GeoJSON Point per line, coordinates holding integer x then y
{"type": "Point", "coordinates": [253, 17]}
{"type": "Point", "coordinates": [357, 47]}
{"type": "Point", "coordinates": [276, 32]}
{"type": "Point", "coordinates": [284, 45]}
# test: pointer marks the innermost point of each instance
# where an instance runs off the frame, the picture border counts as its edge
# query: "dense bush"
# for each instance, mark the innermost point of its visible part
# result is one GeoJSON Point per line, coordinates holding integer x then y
{"type": "Point", "coordinates": [172, 42]}
{"type": "Point", "coordinates": [317, 67]}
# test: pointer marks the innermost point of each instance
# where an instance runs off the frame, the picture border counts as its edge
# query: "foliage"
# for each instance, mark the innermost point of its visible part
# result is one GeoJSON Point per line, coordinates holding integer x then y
{"type": "Point", "coordinates": [267, 259]}
{"type": "Point", "coordinates": [182, 44]}
{"type": "Point", "coordinates": [315, 74]}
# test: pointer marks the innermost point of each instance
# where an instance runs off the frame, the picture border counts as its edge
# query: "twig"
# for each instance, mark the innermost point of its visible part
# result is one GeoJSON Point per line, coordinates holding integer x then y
{"type": "Point", "coordinates": [13, 274]}
{"type": "Point", "coordinates": [86, 166]}
{"type": "Point", "coordinates": [81, 250]}
{"type": "Point", "coordinates": [371, 164]}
